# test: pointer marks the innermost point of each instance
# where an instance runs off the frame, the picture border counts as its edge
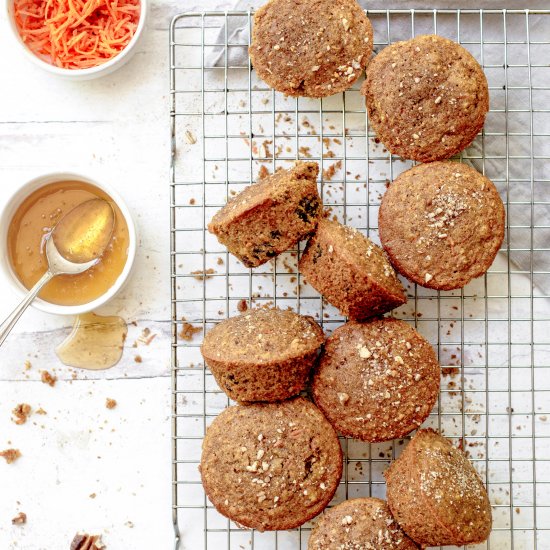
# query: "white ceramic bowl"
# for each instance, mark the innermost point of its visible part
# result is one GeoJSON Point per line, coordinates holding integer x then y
{"type": "Point", "coordinates": [80, 74]}
{"type": "Point", "coordinates": [11, 207]}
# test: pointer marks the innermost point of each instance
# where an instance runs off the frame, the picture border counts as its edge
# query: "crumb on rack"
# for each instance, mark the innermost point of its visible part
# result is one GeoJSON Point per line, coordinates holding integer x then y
{"type": "Point", "coordinates": [188, 331]}
{"type": "Point", "coordinates": [19, 519]}
{"type": "Point", "coordinates": [110, 403]}
{"type": "Point", "coordinates": [138, 359]}
{"type": "Point", "coordinates": [10, 455]}
{"type": "Point", "coordinates": [28, 365]}
{"type": "Point", "coordinates": [242, 306]}
{"type": "Point", "coordinates": [40, 410]}
{"type": "Point", "coordinates": [264, 172]}
{"type": "Point", "coordinates": [48, 378]}
{"type": "Point", "coordinates": [201, 274]}
{"type": "Point", "coordinates": [20, 413]}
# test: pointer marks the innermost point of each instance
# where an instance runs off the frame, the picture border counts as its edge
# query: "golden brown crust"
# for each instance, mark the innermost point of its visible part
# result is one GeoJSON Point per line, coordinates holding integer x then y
{"type": "Point", "coordinates": [376, 380]}
{"type": "Point", "coordinates": [359, 524]}
{"type": "Point", "coordinates": [441, 224]}
{"type": "Point", "coordinates": [311, 48]}
{"type": "Point", "coordinates": [263, 354]}
{"type": "Point", "coordinates": [427, 98]}
{"type": "Point", "coordinates": [436, 495]}
{"type": "Point", "coordinates": [270, 216]}
{"type": "Point", "coordinates": [350, 271]}
{"type": "Point", "coordinates": [271, 466]}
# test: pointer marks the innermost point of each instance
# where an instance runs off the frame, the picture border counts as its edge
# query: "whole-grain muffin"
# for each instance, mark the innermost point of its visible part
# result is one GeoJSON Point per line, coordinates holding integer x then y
{"type": "Point", "coordinates": [311, 48]}
{"type": "Point", "coordinates": [350, 271]}
{"type": "Point", "coordinates": [270, 216]}
{"type": "Point", "coordinates": [441, 224]}
{"type": "Point", "coordinates": [270, 466]}
{"type": "Point", "coordinates": [436, 495]}
{"type": "Point", "coordinates": [359, 524]}
{"type": "Point", "coordinates": [263, 354]}
{"type": "Point", "coordinates": [426, 98]}
{"type": "Point", "coordinates": [377, 380]}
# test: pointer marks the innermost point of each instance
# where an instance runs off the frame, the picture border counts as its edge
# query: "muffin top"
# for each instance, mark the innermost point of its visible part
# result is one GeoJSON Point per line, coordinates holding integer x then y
{"type": "Point", "coordinates": [271, 466]}
{"type": "Point", "coordinates": [449, 487]}
{"type": "Point", "coordinates": [359, 524]}
{"type": "Point", "coordinates": [442, 224]}
{"type": "Point", "coordinates": [272, 188]}
{"type": "Point", "coordinates": [376, 380]}
{"type": "Point", "coordinates": [426, 97]}
{"type": "Point", "coordinates": [347, 244]}
{"type": "Point", "coordinates": [311, 48]}
{"type": "Point", "coordinates": [262, 336]}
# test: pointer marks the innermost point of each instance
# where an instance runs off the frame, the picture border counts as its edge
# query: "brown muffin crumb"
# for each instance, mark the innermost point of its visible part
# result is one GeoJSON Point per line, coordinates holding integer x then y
{"type": "Point", "coordinates": [19, 519]}
{"type": "Point", "coordinates": [20, 413]}
{"type": "Point", "coordinates": [110, 403]}
{"type": "Point", "coordinates": [48, 378]}
{"type": "Point", "coordinates": [10, 455]}
{"type": "Point", "coordinates": [188, 331]}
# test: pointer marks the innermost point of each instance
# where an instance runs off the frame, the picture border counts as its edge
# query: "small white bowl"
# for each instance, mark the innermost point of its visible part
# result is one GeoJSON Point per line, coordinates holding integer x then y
{"type": "Point", "coordinates": [5, 265]}
{"type": "Point", "coordinates": [81, 74]}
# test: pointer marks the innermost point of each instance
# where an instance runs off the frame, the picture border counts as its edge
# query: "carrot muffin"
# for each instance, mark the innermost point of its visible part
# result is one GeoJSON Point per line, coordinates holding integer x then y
{"type": "Point", "coordinates": [350, 271]}
{"type": "Point", "coordinates": [441, 224]}
{"type": "Point", "coordinates": [271, 215]}
{"type": "Point", "coordinates": [426, 98]}
{"type": "Point", "coordinates": [362, 524]}
{"type": "Point", "coordinates": [263, 354]}
{"type": "Point", "coordinates": [376, 380]}
{"type": "Point", "coordinates": [311, 48]}
{"type": "Point", "coordinates": [271, 466]}
{"type": "Point", "coordinates": [436, 495]}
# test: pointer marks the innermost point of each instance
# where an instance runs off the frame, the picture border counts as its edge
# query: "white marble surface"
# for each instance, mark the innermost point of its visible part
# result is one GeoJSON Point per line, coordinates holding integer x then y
{"type": "Point", "coordinates": [115, 129]}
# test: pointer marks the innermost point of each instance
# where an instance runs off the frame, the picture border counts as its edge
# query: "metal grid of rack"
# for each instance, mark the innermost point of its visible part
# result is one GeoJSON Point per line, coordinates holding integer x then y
{"type": "Point", "coordinates": [492, 337]}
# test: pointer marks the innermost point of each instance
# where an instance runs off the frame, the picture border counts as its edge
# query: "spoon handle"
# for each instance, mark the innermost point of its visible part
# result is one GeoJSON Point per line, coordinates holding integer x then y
{"type": "Point", "coordinates": [13, 317]}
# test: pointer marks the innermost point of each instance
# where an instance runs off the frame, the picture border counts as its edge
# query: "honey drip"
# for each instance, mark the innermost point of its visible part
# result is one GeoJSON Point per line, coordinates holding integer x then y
{"type": "Point", "coordinates": [95, 343]}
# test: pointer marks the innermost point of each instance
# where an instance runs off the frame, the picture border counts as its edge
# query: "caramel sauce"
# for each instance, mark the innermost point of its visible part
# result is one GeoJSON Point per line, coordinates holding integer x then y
{"type": "Point", "coordinates": [95, 343]}
{"type": "Point", "coordinates": [36, 217]}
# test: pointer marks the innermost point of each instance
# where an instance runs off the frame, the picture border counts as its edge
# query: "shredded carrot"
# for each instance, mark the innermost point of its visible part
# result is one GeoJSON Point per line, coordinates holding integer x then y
{"type": "Point", "coordinates": [76, 34]}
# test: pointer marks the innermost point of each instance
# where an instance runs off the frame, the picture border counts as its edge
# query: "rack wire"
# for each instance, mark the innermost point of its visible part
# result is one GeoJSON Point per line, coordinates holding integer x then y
{"type": "Point", "coordinates": [492, 337]}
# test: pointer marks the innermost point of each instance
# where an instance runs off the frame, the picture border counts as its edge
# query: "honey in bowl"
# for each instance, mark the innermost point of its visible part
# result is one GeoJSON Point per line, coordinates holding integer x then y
{"type": "Point", "coordinates": [36, 217]}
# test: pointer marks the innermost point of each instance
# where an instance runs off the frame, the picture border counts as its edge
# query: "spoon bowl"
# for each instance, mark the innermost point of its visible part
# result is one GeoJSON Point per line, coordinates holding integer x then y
{"type": "Point", "coordinates": [82, 235]}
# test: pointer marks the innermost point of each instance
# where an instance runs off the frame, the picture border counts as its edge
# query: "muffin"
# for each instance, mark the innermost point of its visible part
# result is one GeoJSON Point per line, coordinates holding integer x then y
{"type": "Point", "coordinates": [441, 224]}
{"type": "Point", "coordinates": [360, 523]}
{"type": "Point", "coordinates": [271, 215]}
{"type": "Point", "coordinates": [436, 495]}
{"type": "Point", "coordinates": [271, 466]}
{"type": "Point", "coordinates": [351, 272]}
{"type": "Point", "coordinates": [310, 48]}
{"type": "Point", "coordinates": [376, 380]}
{"type": "Point", "coordinates": [426, 98]}
{"type": "Point", "coordinates": [263, 354]}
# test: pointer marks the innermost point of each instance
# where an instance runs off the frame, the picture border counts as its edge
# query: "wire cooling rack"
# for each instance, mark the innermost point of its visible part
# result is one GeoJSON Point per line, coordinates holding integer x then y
{"type": "Point", "coordinates": [492, 337]}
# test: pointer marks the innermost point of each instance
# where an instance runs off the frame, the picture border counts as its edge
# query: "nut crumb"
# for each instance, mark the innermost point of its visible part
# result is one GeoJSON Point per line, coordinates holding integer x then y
{"type": "Point", "coordinates": [48, 378]}
{"type": "Point", "coordinates": [20, 413]}
{"type": "Point", "coordinates": [10, 455]}
{"type": "Point", "coordinates": [19, 519]}
{"type": "Point", "coordinates": [191, 139]}
{"type": "Point", "coordinates": [83, 541]}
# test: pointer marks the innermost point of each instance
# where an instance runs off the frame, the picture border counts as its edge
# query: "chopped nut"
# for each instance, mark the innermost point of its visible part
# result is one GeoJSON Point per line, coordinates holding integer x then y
{"type": "Point", "coordinates": [343, 397]}
{"type": "Point", "coordinates": [364, 352]}
{"type": "Point", "coordinates": [345, 22]}
{"type": "Point", "coordinates": [428, 277]}
{"type": "Point", "coordinates": [315, 68]}
{"type": "Point", "coordinates": [438, 99]}
{"type": "Point", "coordinates": [19, 519]}
{"type": "Point", "coordinates": [346, 520]}
{"type": "Point", "coordinates": [398, 359]}
{"type": "Point", "coordinates": [190, 138]}
{"type": "Point", "coordinates": [416, 136]}
{"type": "Point", "coordinates": [83, 541]}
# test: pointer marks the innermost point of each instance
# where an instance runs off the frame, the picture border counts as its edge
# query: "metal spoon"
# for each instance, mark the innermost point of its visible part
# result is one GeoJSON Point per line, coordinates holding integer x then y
{"type": "Point", "coordinates": [75, 244]}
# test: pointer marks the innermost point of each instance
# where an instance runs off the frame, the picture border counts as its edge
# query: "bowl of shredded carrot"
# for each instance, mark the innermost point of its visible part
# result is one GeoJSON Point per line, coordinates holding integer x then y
{"type": "Point", "coordinates": [81, 38]}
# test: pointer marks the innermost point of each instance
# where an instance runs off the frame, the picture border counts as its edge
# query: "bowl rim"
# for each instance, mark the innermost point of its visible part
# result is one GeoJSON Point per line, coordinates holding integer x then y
{"type": "Point", "coordinates": [14, 201]}
{"type": "Point", "coordinates": [90, 71]}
